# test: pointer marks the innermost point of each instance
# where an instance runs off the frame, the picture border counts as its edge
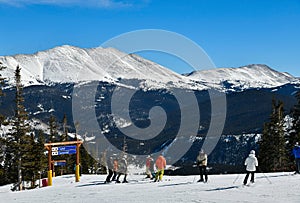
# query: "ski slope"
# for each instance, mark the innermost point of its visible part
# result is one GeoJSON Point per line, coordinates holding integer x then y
{"type": "Point", "coordinates": [284, 187]}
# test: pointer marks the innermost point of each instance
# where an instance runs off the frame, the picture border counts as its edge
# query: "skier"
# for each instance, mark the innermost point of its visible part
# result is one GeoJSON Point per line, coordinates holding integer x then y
{"type": "Point", "coordinates": [251, 163]}
{"type": "Point", "coordinates": [150, 167]}
{"type": "Point", "coordinates": [160, 166]}
{"type": "Point", "coordinates": [109, 166]}
{"type": "Point", "coordinates": [115, 168]}
{"type": "Point", "coordinates": [122, 170]}
{"type": "Point", "coordinates": [202, 164]}
{"type": "Point", "coordinates": [296, 152]}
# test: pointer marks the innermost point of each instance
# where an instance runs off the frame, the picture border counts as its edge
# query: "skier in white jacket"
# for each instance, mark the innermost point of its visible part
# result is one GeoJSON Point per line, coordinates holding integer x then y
{"type": "Point", "coordinates": [251, 163]}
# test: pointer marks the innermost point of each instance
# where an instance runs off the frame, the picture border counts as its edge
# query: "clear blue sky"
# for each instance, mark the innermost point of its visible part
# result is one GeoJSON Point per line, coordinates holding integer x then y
{"type": "Point", "coordinates": [233, 33]}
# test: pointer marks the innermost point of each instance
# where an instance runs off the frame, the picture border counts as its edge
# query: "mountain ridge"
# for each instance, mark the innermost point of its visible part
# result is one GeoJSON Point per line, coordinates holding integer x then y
{"type": "Point", "coordinates": [70, 64]}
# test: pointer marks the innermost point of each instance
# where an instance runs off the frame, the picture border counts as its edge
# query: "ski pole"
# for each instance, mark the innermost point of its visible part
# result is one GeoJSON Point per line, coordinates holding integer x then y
{"type": "Point", "coordinates": [265, 176]}
{"type": "Point", "coordinates": [194, 178]}
{"type": "Point", "coordinates": [237, 177]}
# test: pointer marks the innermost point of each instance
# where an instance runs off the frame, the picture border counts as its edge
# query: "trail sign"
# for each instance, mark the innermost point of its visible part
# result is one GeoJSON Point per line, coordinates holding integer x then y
{"type": "Point", "coordinates": [59, 163]}
{"type": "Point", "coordinates": [66, 148]}
{"type": "Point", "coordinates": [63, 150]}
{"type": "Point", "coordinates": [67, 152]}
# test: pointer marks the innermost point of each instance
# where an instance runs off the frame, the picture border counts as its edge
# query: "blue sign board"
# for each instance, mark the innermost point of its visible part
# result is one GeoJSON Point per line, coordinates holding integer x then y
{"type": "Point", "coordinates": [59, 163]}
{"type": "Point", "coordinates": [67, 148]}
{"type": "Point", "coordinates": [67, 152]}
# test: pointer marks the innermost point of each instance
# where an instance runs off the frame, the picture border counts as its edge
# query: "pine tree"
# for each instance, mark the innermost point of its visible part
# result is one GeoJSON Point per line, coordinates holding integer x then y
{"type": "Point", "coordinates": [2, 140]}
{"type": "Point", "coordinates": [18, 141]}
{"type": "Point", "coordinates": [64, 136]}
{"type": "Point", "coordinates": [2, 156]}
{"type": "Point", "coordinates": [40, 159]}
{"type": "Point", "coordinates": [34, 160]}
{"type": "Point", "coordinates": [294, 132]}
{"type": "Point", "coordinates": [53, 129]}
{"type": "Point", "coordinates": [28, 159]}
{"type": "Point", "coordinates": [272, 155]}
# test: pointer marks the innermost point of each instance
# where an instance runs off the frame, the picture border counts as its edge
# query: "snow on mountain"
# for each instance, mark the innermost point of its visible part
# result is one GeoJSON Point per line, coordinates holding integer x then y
{"type": "Point", "coordinates": [66, 64]}
{"type": "Point", "coordinates": [73, 64]}
{"type": "Point", "coordinates": [268, 188]}
{"type": "Point", "coordinates": [251, 76]}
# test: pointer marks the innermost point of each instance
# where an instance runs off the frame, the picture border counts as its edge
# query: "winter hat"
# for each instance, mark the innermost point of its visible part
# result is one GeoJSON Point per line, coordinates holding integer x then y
{"type": "Point", "coordinates": [252, 152]}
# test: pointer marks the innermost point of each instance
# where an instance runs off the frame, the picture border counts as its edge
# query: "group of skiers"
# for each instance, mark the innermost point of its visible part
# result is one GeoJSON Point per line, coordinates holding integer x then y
{"type": "Point", "coordinates": [251, 163]}
{"type": "Point", "coordinates": [160, 164]}
{"type": "Point", "coordinates": [116, 167]}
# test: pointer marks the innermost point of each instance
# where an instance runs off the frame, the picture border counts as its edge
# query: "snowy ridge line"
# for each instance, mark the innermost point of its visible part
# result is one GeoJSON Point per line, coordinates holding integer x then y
{"type": "Point", "coordinates": [69, 64]}
{"type": "Point", "coordinates": [245, 77]}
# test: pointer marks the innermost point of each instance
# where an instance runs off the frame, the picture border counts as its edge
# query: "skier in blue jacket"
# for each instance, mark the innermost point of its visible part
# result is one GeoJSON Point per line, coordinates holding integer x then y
{"type": "Point", "coordinates": [296, 152]}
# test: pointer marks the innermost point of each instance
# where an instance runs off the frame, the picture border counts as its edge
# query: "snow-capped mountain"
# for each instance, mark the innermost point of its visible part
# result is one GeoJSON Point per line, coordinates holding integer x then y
{"type": "Point", "coordinates": [249, 93]}
{"type": "Point", "coordinates": [251, 76]}
{"type": "Point", "coordinates": [69, 64]}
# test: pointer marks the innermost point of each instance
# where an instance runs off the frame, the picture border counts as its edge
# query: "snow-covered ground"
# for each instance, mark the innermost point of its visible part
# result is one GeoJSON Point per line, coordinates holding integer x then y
{"type": "Point", "coordinates": [279, 187]}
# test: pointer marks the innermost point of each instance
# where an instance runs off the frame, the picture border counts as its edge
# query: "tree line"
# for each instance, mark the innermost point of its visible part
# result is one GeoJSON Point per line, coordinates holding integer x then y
{"type": "Point", "coordinates": [278, 138]}
{"type": "Point", "coordinates": [23, 157]}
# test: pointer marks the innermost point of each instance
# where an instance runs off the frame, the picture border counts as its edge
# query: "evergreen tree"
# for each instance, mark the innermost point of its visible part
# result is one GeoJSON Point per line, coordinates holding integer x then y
{"type": "Point", "coordinates": [2, 140]}
{"type": "Point", "coordinates": [294, 132]}
{"type": "Point", "coordinates": [53, 129]}
{"type": "Point", "coordinates": [34, 160]}
{"type": "Point", "coordinates": [18, 141]}
{"type": "Point", "coordinates": [28, 159]}
{"type": "Point", "coordinates": [64, 136]}
{"type": "Point", "coordinates": [40, 159]}
{"type": "Point", "coordinates": [272, 155]}
{"type": "Point", "coordinates": [2, 156]}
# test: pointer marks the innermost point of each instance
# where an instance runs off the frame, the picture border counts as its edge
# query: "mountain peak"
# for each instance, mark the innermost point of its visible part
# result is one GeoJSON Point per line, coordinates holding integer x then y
{"type": "Point", "coordinates": [69, 64]}
{"type": "Point", "coordinates": [244, 77]}
{"type": "Point", "coordinates": [64, 64]}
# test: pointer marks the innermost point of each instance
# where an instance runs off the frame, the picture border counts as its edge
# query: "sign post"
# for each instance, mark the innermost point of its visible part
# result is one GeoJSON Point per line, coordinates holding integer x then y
{"type": "Point", "coordinates": [77, 169]}
{"type": "Point", "coordinates": [64, 148]}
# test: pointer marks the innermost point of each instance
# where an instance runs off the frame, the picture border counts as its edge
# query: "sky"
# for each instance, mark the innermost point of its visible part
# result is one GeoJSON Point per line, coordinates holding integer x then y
{"type": "Point", "coordinates": [232, 33]}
